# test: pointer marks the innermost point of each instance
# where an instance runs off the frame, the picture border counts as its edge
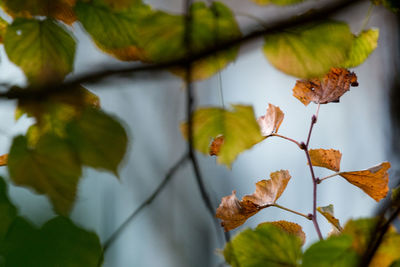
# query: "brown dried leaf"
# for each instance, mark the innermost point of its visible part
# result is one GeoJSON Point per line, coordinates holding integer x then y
{"type": "Point", "coordinates": [3, 160]}
{"type": "Point", "coordinates": [234, 213]}
{"type": "Point", "coordinates": [268, 191]}
{"type": "Point", "coordinates": [216, 144]}
{"type": "Point", "coordinates": [327, 212]}
{"type": "Point", "coordinates": [290, 228]}
{"type": "Point", "coordinates": [326, 158]}
{"type": "Point", "coordinates": [330, 89]}
{"type": "Point", "coordinates": [271, 121]}
{"type": "Point", "coordinates": [373, 181]}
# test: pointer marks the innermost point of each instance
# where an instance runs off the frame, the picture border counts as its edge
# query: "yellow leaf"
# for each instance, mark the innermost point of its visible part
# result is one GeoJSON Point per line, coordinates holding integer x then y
{"type": "Point", "coordinates": [326, 158]}
{"type": "Point", "coordinates": [234, 213]}
{"type": "Point", "coordinates": [330, 89]}
{"type": "Point", "coordinates": [373, 181]}
{"type": "Point", "coordinates": [271, 121]}
{"type": "Point", "coordinates": [290, 228]}
{"type": "Point", "coordinates": [327, 212]}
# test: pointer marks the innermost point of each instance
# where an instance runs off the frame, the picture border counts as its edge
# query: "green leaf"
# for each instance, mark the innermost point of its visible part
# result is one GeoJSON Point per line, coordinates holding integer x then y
{"type": "Point", "coordinates": [58, 243]}
{"type": "Point", "coordinates": [50, 168]}
{"type": "Point", "coordinates": [278, 2]}
{"type": "Point", "coordinates": [58, 9]}
{"type": "Point", "coordinates": [3, 28]}
{"type": "Point", "coordinates": [395, 264]}
{"type": "Point", "coordinates": [162, 37]}
{"type": "Point", "coordinates": [266, 246]}
{"type": "Point", "coordinates": [361, 231]}
{"type": "Point", "coordinates": [363, 45]}
{"type": "Point", "coordinates": [114, 28]}
{"type": "Point", "coordinates": [335, 251]}
{"type": "Point", "coordinates": [44, 49]}
{"type": "Point", "coordinates": [393, 5]}
{"type": "Point", "coordinates": [7, 210]}
{"type": "Point", "coordinates": [238, 127]}
{"type": "Point", "coordinates": [395, 196]}
{"type": "Point", "coordinates": [309, 51]}
{"type": "Point", "coordinates": [99, 139]}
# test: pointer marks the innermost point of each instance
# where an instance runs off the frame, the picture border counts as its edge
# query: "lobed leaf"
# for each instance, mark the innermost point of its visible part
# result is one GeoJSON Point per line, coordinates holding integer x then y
{"type": "Point", "coordinates": [238, 127]}
{"type": "Point", "coordinates": [272, 120]}
{"type": "Point", "coordinates": [335, 251]}
{"type": "Point", "coordinates": [234, 213]}
{"type": "Point", "coordinates": [373, 181]}
{"type": "Point", "coordinates": [53, 168]}
{"type": "Point", "coordinates": [267, 245]}
{"type": "Point", "coordinates": [289, 227]}
{"type": "Point", "coordinates": [309, 51]}
{"type": "Point", "coordinates": [326, 158]}
{"type": "Point", "coordinates": [43, 49]}
{"type": "Point", "coordinates": [330, 89]}
{"type": "Point", "coordinates": [328, 213]}
{"type": "Point", "coordinates": [363, 45]}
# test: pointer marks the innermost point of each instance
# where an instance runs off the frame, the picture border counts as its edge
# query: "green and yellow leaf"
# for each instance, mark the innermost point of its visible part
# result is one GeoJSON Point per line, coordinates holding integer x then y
{"type": "Point", "coordinates": [8, 211]}
{"type": "Point", "coordinates": [363, 46]}
{"type": "Point", "coordinates": [289, 227]}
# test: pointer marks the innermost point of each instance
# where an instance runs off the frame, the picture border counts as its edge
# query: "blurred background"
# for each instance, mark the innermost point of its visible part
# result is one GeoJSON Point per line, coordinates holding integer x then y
{"type": "Point", "coordinates": [176, 230]}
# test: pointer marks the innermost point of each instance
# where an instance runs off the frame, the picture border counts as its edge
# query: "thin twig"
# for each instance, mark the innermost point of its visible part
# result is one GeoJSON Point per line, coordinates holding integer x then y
{"type": "Point", "coordinates": [286, 138]}
{"type": "Point", "coordinates": [148, 201]}
{"type": "Point", "coordinates": [327, 177]}
{"type": "Point", "coordinates": [292, 211]}
{"type": "Point", "coordinates": [98, 76]}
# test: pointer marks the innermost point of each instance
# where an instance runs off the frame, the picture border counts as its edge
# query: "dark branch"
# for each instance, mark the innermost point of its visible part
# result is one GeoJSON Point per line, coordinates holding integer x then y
{"type": "Point", "coordinates": [98, 76]}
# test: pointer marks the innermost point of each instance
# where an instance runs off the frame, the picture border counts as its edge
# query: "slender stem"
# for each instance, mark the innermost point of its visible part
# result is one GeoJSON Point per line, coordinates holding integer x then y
{"type": "Point", "coordinates": [255, 18]}
{"type": "Point", "coordinates": [327, 177]}
{"type": "Point", "coordinates": [147, 202]}
{"type": "Point", "coordinates": [292, 211]}
{"type": "Point", "coordinates": [314, 119]}
{"type": "Point", "coordinates": [367, 17]}
{"type": "Point", "coordinates": [285, 137]}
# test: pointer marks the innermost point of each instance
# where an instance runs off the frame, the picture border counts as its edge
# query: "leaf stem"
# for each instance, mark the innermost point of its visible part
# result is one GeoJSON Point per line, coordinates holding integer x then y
{"type": "Point", "coordinates": [327, 177]}
{"type": "Point", "coordinates": [367, 17]}
{"type": "Point", "coordinates": [292, 211]}
{"type": "Point", "coordinates": [285, 137]}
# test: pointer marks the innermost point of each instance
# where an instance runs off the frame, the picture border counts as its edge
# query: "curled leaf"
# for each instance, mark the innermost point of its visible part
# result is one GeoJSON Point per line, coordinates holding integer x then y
{"type": "Point", "coordinates": [234, 213]}
{"type": "Point", "coordinates": [289, 227]}
{"type": "Point", "coordinates": [326, 158]}
{"type": "Point", "coordinates": [271, 121]}
{"type": "Point", "coordinates": [3, 159]}
{"type": "Point", "coordinates": [330, 89]}
{"type": "Point", "coordinates": [373, 181]}
{"type": "Point", "coordinates": [216, 144]}
{"type": "Point", "coordinates": [327, 212]}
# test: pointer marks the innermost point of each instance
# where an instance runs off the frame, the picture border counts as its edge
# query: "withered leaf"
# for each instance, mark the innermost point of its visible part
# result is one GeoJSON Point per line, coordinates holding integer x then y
{"type": "Point", "coordinates": [216, 144]}
{"type": "Point", "coordinates": [289, 227]}
{"type": "Point", "coordinates": [326, 158]}
{"type": "Point", "coordinates": [373, 181]}
{"type": "Point", "coordinates": [328, 213]}
{"type": "Point", "coordinates": [271, 121]}
{"type": "Point", "coordinates": [330, 89]}
{"type": "Point", "coordinates": [3, 159]}
{"type": "Point", "coordinates": [234, 213]}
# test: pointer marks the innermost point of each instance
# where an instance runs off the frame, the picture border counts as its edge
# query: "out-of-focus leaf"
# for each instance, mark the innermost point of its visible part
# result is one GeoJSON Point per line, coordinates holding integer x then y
{"type": "Point", "coordinates": [363, 45]}
{"type": "Point", "coordinates": [234, 213]}
{"type": "Point", "coordinates": [277, 2]}
{"type": "Point", "coordinates": [43, 49]}
{"type": "Point", "coordinates": [330, 89]}
{"type": "Point", "coordinates": [3, 28]}
{"type": "Point", "coordinates": [58, 9]}
{"type": "Point", "coordinates": [373, 181]}
{"type": "Point", "coordinates": [395, 264]}
{"type": "Point", "coordinates": [114, 25]}
{"type": "Point", "coordinates": [50, 168]}
{"type": "Point", "coordinates": [8, 212]}
{"type": "Point", "coordinates": [162, 37]}
{"type": "Point", "coordinates": [393, 5]}
{"type": "Point", "coordinates": [289, 227]}
{"type": "Point", "coordinates": [361, 231]}
{"type": "Point", "coordinates": [238, 126]}
{"type": "Point", "coordinates": [328, 213]}
{"type": "Point", "coordinates": [3, 159]}
{"type": "Point", "coordinates": [309, 51]}
{"type": "Point", "coordinates": [272, 120]}
{"type": "Point", "coordinates": [326, 158]}
{"type": "Point", "coordinates": [99, 139]}
{"type": "Point", "coordinates": [57, 243]}
{"type": "Point", "coordinates": [395, 197]}
{"type": "Point", "coordinates": [267, 245]}
{"type": "Point", "coordinates": [335, 251]}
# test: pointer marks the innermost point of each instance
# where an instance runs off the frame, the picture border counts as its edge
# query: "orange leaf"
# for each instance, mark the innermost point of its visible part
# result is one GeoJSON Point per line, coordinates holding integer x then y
{"type": "Point", "coordinates": [330, 89]}
{"type": "Point", "coordinates": [234, 213]}
{"type": "Point", "coordinates": [3, 160]}
{"type": "Point", "coordinates": [326, 158]}
{"type": "Point", "coordinates": [290, 228]}
{"type": "Point", "coordinates": [373, 181]}
{"type": "Point", "coordinates": [271, 121]}
{"type": "Point", "coordinates": [327, 212]}
{"type": "Point", "coordinates": [216, 144]}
